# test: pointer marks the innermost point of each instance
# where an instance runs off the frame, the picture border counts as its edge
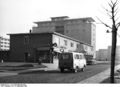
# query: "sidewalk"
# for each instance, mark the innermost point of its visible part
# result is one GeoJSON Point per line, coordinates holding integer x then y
{"type": "Point", "coordinates": [36, 67]}
{"type": "Point", "coordinates": [99, 77]}
{"type": "Point", "coordinates": [17, 68]}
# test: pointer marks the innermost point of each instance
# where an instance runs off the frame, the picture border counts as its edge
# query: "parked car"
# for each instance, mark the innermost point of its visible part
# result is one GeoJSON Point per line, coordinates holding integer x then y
{"type": "Point", "coordinates": [72, 61]}
{"type": "Point", "coordinates": [91, 62]}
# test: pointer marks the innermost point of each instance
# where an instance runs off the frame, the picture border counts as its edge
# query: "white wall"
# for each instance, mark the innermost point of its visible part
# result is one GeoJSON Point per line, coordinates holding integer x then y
{"type": "Point", "coordinates": [60, 43]}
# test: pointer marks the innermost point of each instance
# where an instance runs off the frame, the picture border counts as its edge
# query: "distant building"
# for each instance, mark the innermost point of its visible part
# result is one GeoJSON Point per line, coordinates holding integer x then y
{"type": "Point", "coordinates": [29, 47]}
{"type": "Point", "coordinates": [117, 53]}
{"type": "Point", "coordinates": [82, 29]}
{"type": "Point", "coordinates": [105, 54]}
{"type": "Point", "coordinates": [4, 43]}
{"type": "Point", "coordinates": [4, 48]}
{"type": "Point", "coordinates": [102, 55]}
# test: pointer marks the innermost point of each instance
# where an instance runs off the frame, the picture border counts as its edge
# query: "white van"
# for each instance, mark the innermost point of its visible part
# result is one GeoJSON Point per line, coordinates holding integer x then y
{"type": "Point", "coordinates": [72, 61]}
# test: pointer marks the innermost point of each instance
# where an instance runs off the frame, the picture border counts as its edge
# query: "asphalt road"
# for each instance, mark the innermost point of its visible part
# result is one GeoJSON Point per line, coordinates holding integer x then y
{"type": "Point", "coordinates": [55, 76]}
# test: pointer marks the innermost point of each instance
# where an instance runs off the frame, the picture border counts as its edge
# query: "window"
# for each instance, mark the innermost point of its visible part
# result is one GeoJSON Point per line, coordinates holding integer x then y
{"type": "Point", "coordinates": [65, 41]}
{"type": "Point", "coordinates": [77, 45]}
{"type": "Point", "coordinates": [66, 56]}
{"type": "Point", "coordinates": [80, 56]}
{"type": "Point", "coordinates": [76, 56]}
{"type": "Point", "coordinates": [72, 44]}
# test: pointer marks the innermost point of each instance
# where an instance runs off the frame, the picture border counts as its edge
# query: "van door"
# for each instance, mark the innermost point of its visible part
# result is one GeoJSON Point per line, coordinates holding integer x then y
{"type": "Point", "coordinates": [76, 60]}
{"type": "Point", "coordinates": [81, 61]}
{"type": "Point", "coordinates": [66, 60]}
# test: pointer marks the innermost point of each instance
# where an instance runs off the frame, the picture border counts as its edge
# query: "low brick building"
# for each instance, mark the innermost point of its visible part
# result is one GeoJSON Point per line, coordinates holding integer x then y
{"type": "Point", "coordinates": [29, 47]}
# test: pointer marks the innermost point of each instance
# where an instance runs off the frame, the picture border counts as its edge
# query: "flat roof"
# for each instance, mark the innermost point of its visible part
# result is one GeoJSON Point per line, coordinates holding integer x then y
{"type": "Point", "coordinates": [85, 18]}
{"type": "Point", "coordinates": [51, 33]}
{"type": "Point", "coordinates": [59, 17]}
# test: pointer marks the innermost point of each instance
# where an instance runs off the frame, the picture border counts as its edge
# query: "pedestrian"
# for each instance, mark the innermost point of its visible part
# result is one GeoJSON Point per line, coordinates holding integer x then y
{"type": "Point", "coordinates": [40, 60]}
{"type": "Point", "coordinates": [2, 61]}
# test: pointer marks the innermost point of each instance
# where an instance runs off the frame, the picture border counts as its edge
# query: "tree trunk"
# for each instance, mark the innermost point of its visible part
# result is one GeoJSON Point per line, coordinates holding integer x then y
{"type": "Point", "coordinates": [113, 52]}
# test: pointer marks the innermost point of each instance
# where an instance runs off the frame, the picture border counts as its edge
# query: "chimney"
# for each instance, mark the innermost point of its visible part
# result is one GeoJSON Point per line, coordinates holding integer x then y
{"type": "Point", "coordinates": [30, 31]}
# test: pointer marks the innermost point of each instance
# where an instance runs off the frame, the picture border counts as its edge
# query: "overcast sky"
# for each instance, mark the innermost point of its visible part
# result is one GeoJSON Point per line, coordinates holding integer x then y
{"type": "Point", "coordinates": [17, 16]}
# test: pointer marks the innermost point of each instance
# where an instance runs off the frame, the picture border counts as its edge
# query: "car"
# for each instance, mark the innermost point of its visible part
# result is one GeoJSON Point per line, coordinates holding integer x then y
{"type": "Point", "coordinates": [91, 62]}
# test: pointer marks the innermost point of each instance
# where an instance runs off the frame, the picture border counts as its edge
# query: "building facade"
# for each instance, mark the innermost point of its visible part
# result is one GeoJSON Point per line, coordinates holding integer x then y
{"type": "Point", "coordinates": [105, 54]}
{"type": "Point", "coordinates": [4, 43]}
{"type": "Point", "coordinates": [102, 55]}
{"type": "Point", "coordinates": [29, 47]}
{"type": "Point", "coordinates": [4, 48]}
{"type": "Point", "coordinates": [117, 53]}
{"type": "Point", "coordinates": [82, 29]}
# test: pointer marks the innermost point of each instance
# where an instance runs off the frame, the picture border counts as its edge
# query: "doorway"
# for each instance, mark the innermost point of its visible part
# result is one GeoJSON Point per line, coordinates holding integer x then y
{"type": "Point", "coordinates": [26, 57]}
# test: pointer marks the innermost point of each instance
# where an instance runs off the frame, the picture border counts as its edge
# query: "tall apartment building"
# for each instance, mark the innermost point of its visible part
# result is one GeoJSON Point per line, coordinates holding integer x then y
{"type": "Point", "coordinates": [4, 43]}
{"type": "Point", "coordinates": [82, 29]}
{"type": "Point", "coordinates": [105, 54]}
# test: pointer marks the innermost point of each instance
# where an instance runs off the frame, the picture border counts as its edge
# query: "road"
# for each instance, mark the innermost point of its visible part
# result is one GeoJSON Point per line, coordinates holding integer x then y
{"type": "Point", "coordinates": [55, 76]}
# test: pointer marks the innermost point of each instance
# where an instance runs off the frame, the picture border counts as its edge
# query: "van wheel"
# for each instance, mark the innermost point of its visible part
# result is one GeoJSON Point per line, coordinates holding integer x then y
{"type": "Point", "coordinates": [83, 69]}
{"type": "Point", "coordinates": [75, 70]}
{"type": "Point", "coordinates": [62, 70]}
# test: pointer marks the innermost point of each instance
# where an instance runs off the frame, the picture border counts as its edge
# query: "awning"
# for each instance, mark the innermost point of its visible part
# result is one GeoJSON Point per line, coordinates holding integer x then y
{"type": "Point", "coordinates": [57, 50]}
{"type": "Point", "coordinates": [43, 48]}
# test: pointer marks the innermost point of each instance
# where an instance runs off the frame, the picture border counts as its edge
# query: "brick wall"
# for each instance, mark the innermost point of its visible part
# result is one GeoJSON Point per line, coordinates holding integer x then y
{"type": "Point", "coordinates": [18, 46]}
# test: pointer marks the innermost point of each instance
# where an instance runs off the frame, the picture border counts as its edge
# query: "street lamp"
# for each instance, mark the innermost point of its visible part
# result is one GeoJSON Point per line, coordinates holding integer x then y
{"type": "Point", "coordinates": [107, 31]}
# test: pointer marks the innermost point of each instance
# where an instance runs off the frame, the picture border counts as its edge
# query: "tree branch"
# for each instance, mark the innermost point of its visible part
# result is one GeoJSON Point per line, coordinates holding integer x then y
{"type": "Point", "coordinates": [104, 23]}
{"type": "Point", "coordinates": [117, 19]}
{"type": "Point", "coordinates": [113, 13]}
{"type": "Point", "coordinates": [118, 25]}
{"type": "Point", "coordinates": [108, 12]}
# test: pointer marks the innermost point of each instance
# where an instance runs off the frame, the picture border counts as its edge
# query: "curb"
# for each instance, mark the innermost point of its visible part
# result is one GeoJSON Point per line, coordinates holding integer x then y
{"type": "Point", "coordinates": [3, 74]}
{"type": "Point", "coordinates": [36, 69]}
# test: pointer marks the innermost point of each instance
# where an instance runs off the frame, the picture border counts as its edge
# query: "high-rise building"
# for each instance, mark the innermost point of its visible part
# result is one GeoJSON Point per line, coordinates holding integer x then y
{"type": "Point", "coordinates": [4, 43]}
{"type": "Point", "coordinates": [82, 29]}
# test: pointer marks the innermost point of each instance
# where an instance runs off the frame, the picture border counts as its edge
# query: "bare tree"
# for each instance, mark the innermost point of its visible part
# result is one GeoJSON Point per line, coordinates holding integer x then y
{"type": "Point", "coordinates": [112, 13]}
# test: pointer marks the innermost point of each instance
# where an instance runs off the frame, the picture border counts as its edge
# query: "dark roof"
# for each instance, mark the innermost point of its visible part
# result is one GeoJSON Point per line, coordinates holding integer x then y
{"type": "Point", "coordinates": [27, 33]}
{"type": "Point", "coordinates": [60, 17]}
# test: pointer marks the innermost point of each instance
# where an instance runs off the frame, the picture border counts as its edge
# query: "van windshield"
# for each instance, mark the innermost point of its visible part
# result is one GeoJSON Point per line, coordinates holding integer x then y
{"type": "Point", "coordinates": [66, 55]}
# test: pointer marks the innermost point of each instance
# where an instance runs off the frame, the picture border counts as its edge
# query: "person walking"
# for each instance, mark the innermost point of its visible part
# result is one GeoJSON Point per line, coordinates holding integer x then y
{"type": "Point", "coordinates": [40, 60]}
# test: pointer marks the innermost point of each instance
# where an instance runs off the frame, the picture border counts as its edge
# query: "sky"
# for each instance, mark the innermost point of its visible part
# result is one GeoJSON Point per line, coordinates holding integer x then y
{"type": "Point", "coordinates": [17, 16]}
